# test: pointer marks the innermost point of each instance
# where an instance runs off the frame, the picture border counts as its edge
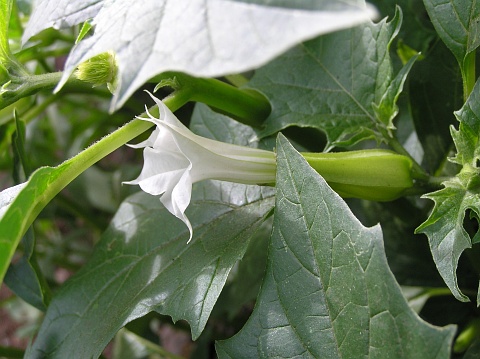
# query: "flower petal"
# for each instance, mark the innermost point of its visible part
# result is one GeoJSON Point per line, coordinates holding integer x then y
{"type": "Point", "coordinates": [175, 158]}
{"type": "Point", "coordinates": [149, 142]}
{"type": "Point", "coordinates": [161, 170]}
{"type": "Point", "coordinates": [177, 200]}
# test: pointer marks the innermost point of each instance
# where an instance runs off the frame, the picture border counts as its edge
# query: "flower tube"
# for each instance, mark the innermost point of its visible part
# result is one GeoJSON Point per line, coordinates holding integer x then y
{"type": "Point", "coordinates": [175, 158]}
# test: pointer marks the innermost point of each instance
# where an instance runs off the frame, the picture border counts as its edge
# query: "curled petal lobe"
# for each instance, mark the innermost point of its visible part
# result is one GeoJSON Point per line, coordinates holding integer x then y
{"type": "Point", "coordinates": [175, 158]}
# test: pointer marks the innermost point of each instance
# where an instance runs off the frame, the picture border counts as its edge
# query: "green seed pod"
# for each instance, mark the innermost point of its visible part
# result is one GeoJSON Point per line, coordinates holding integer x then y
{"type": "Point", "coordinates": [377, 175]}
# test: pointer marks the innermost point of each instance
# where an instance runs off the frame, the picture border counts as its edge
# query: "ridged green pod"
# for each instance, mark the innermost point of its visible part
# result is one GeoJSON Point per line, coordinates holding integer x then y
{"type": "Point", "coordinates": [377, 175]}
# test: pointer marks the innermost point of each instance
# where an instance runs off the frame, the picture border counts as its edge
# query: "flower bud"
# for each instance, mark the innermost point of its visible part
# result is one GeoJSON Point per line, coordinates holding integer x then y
{"type": "Point", "coordinates": [99, 70]}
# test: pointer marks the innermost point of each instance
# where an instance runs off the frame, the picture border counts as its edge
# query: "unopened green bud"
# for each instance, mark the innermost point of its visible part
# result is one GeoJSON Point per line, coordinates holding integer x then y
{"type": "Point", "coordinates": [377, 175]}
{"type": "Point", "coordinates": [99, 70]}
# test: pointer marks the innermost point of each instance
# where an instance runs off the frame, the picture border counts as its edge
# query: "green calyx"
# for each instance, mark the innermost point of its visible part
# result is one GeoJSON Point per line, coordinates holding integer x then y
{"type": "Point", "coordinates": [377, 175]}
{"type": "Point", "coordinates": [99, 70]}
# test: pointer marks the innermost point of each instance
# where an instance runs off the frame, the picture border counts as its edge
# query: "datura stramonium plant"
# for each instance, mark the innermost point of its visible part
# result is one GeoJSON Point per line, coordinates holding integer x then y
{"type": "Point", "coordinates": [175, 158]}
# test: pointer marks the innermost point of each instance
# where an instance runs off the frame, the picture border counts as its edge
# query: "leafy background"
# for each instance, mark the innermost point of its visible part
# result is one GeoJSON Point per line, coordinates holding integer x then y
{"type": "Point", "coordinates": [323, 277]}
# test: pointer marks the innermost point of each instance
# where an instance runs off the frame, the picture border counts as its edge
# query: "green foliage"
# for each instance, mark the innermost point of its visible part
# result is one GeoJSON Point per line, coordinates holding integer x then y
{"type": "Point", "coordinates": [349, 89]}
{"type": "Point", "coordinates": [457, 24]}
{"type": "Point", "coordinates": [328, 291]}
{"type": "Point", "coordinates": [445, 227]}
{"type": "Point", "coordinates": [288, 269]}
{"type": "Point", "coordinates": [144, 252]}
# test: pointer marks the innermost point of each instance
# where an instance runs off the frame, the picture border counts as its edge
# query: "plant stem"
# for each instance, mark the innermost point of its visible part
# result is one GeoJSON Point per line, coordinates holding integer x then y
{"type": "Point", "coordinates": [25, 86]}
{"type": "Point", "coordinates": [468, 75]}
{"type": "Point", "coordinates": [114, 140]}
{"type": "Point", "coordinates": [244, 105]}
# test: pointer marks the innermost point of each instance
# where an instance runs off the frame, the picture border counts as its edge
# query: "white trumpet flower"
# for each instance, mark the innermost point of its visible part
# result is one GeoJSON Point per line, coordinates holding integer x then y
{"type": "Point", "coordinates": [175, 158]}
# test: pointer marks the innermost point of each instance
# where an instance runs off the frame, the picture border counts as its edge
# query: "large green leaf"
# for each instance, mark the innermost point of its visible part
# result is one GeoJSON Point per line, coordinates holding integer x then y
{"type": "Point", "coordinates": [343, 84]}
{"type": "Point", "coordinates": [457, 23]}
{"type": "Point", "coordinates": [244, 282]}
{"type": "Point", "coordinates": [207, 39]}
{"type": "Point", "coordinates": [143, 263]}
{"type": "Point", "coordinates": [25, 278]}
{"type": "Point", "coordinates": [444, 228]}
{"type": "Point", "coordinates": [20, 205]}
{"type": "Point", "coordinates": [408, 254]}
{"type": "Point", "coordinates": [328, 292]}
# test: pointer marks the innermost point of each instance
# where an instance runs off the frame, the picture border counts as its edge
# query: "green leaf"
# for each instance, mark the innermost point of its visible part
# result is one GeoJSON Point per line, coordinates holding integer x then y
{"type": "Point", "coordinates": [387, 108]}
{"type": "Point", "coordinates": [143, 263]}
{"type": "Point", "coordinates": [444, 227]}
{"type": "Point", "coordinates": [25, 278]}
{"type": "Point", "coordinates": [408, 254]}
{"type": "Point", "coordinates": [339, 78]}
{"type": "Point", "coordinates": [244, 282]}
{"type": "Point", "coordinates": [457, 23]}
{"type": "Point", "coordinates": [328, 292]}
{"type": "Point", "coordinates": [20, 205]}
{"type": "Point", "coordinates": [206, 39]}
